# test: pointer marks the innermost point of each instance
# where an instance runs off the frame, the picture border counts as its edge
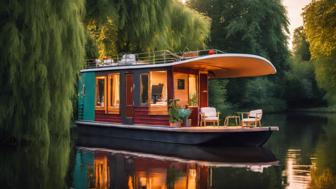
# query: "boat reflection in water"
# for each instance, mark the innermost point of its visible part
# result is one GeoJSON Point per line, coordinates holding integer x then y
{"type": "Point", "coordinates": [178, 166]}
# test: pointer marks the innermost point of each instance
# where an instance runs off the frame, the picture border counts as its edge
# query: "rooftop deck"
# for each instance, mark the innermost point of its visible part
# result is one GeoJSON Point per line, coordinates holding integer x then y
{"type": "Point", "coordinates": [155, 57]}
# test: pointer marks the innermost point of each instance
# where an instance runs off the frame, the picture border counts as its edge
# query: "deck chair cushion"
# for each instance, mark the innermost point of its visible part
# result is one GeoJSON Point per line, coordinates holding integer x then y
{"type": "Point", "coordinates": [211, 118]}
{"type": "Point", "coordinates": [256, 113]}
{"type": "Point", "coordinates": [209, 111]}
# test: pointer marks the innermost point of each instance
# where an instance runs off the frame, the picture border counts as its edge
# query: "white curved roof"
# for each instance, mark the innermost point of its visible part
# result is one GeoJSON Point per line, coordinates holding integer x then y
{"type": "Point", "coordinates": [229, 65]}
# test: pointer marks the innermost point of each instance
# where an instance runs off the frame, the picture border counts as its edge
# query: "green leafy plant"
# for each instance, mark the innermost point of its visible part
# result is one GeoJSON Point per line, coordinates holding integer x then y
{"type": "Point", "coordinates": [184, 113]}
{"type": "Point", "coordinates": [173, 111]}
{"type": "Point", "coordinates": [193, 100]}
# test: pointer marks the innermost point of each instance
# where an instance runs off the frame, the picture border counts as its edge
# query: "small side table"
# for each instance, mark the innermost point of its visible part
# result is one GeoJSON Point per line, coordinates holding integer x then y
{"type": "Point", "coordinates": [236, 120]}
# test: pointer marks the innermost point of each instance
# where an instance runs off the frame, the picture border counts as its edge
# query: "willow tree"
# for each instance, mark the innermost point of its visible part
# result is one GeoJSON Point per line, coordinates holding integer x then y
{"type": "Point", "coordinates": [42, 50]}
{"type": "Point", "coordinates": [257, 27]}
{"type": "Point", "coordinates": [319, 25]}
{"type": "Point", "coordinates": [136, 26]}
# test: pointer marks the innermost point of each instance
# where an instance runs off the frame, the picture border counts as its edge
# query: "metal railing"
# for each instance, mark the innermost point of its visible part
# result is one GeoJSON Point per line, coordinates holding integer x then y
{"type": "Point", "coordinates": [155, 57]}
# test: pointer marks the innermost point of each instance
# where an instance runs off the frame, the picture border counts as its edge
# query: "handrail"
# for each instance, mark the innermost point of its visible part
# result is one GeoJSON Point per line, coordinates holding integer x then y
{"type": "Point", "coordinates": [153, 57]}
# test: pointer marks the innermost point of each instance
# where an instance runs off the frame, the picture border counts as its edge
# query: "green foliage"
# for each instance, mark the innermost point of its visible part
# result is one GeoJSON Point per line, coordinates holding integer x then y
{"type": "Point", "coordinates": [103, 36]}
{"type": "Point", "coordinates": [136, 26]}
{"type": "Point", "coordinates": [256, 27]}
{"type": "Point", "coordinates": [176, 113]}
{"type": "Point", "coordinates": [42, 51]}
{"type": "Point", "coordinates": [218, 95]}
{"type": "Point", "coordinates": [323, 173]}
{"type": "Point", "coordinates": [193, 101]}
{"type": "Point", "coordinates": [173, 111]}
{"type": "Point", "coordinates": [300, 45]}
{"type": "Point", "coordinates": [36, 165]}
{"type": "Point", "coordinates": [260, 93]}
{"type": "Point", "coordinates": [325, 72]}
{"type": "Point", "coordinates": [319, 25]}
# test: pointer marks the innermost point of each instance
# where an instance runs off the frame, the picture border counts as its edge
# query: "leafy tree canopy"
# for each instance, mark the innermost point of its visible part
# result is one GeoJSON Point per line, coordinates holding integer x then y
{"type": "Point", "coordinates": [300, 45]}
{"type": "Point", "coordinates": [134, 26]}
{"type": "Point", "coordinates": [250, 26]}
{"type": "Point", "coordinates": [319, 25]}
{"type": "Point", "coordinates": [42, 50]}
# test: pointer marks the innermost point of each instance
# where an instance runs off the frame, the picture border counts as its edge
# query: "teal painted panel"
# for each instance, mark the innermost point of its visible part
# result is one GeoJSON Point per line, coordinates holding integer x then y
{"type": "Point", "coordinates": [87, 90]}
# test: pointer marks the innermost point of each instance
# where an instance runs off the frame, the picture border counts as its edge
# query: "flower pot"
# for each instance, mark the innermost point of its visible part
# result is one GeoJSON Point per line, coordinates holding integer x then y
{"type": "Point", "coordinates": [175, 124]}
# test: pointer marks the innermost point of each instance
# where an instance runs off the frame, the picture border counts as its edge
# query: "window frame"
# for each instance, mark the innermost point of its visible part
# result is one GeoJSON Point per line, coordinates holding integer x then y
{"type": "Point", "coordinates": [105, 91]}
{"type": "Point", "coordinates": [197, 89]}
{"type": "Point", "coordinates": [112, 109]}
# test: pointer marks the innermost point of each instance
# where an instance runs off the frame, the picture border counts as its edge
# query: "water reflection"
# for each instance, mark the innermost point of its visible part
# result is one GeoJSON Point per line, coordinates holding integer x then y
{"type": "Point", "coordinates": [305, 146]}
{"type": "Point", "coordinates": [297, 172]}
{"type": "Point", "coordinates": [164, 165]}
{"type": "Point", "coordinates": [35, 165]}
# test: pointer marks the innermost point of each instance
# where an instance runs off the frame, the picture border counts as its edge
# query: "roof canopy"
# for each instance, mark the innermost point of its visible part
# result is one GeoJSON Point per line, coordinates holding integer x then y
{"type": "Point", "coordinates": [230, 65]}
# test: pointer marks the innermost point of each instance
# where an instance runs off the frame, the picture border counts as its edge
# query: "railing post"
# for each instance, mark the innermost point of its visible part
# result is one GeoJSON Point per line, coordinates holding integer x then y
{"type": "Point", "coordinates": [164, 57]}
{"type": "Point", "coordinates": [153, 57]}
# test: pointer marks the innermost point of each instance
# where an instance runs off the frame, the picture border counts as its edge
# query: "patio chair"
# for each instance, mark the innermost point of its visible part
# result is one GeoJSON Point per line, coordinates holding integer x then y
{"type": "Point", "coordinates": [209, 114]}
{"type": "Point", "coordinates": [252, 118]}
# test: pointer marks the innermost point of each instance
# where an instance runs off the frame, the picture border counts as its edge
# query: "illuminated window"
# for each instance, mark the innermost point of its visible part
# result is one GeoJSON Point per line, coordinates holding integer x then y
{"type": "Point", "coordinates": [114, 93]}
{"type": "Point", "coordinates": [186, 89]}
{"type": "Point", "coordinates": [193, 97]}
{"type": "Point", "coordinates": [158, 88]}
{"type": "Point", "coordinates": [100, 92]}
{"type": "Point", "coordinates": [154, 91]}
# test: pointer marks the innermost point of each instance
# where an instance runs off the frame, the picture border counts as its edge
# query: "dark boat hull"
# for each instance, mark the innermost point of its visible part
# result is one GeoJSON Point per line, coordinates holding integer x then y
{"type": "Point", "coordinates": [235, 155]}
{"type": "Point", "coordinates": [230, 137]}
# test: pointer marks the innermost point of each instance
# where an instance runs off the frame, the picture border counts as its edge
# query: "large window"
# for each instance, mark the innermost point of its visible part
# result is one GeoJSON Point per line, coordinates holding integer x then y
{"type": "Point", "coordinates": [154, 91]}
{"type": "Point", "coordinates": [193, 88]}
{"type": "Point", "coordinates": [100, 92]}
{"type": "Point", "coordinates": [186, 89]}
{"type": "Point", "coordinates": [113, 93]}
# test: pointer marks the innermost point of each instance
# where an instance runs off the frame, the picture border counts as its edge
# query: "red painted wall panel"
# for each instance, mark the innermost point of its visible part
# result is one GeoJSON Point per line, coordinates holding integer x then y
{"type": "Point", "coordinates": [111, 118]}
{"type": "Point", "coordinates": [141, 116]}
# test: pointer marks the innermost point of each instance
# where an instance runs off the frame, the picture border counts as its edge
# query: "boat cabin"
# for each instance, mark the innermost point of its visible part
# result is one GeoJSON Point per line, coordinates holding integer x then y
{"type": "Point", "coordinates": [136, 88]}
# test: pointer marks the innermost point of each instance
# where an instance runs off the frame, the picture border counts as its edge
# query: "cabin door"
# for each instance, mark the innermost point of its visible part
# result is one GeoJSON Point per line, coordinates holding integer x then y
{"type": "Point", "coordinates": [203, 90]}
{"type": "Point", "coordinates": [129, 97]}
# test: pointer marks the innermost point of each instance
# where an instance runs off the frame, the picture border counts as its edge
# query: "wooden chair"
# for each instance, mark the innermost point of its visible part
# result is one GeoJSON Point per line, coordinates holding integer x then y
{"type": "Point", "coordinates": [209, 114]}
{"type": "Point", "coordinates": [252, 118]}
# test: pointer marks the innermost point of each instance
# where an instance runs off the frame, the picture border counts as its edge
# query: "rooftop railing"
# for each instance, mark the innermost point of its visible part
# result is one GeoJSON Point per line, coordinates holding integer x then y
{"type": "Point", "coordinates": [156, 57]}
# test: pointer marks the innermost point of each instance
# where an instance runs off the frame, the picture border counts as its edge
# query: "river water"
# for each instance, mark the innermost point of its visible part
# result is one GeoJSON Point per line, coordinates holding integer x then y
{"type": "Point", "coordinates": [301, 155]}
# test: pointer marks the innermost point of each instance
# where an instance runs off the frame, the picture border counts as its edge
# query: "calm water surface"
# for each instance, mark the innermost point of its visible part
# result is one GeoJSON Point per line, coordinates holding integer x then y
{"type": "Point", "coordinates": [301, 155]}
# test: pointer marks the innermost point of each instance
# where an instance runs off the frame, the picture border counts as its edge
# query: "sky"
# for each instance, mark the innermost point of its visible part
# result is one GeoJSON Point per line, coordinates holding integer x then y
{"type": "Point", "coordinates": [294, 10]}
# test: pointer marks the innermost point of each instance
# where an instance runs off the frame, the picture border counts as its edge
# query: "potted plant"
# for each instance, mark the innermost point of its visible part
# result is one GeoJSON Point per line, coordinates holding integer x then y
{"type": "Point", "coordinates": [184, 114]}
{"type": "Point", "coordinates": [174, 119]}
{"type": "Point", "coordinates": [193, 100]}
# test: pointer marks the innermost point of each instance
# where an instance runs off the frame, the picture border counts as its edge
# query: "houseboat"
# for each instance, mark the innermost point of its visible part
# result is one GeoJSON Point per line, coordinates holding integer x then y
{"type": "Point", "coordinates": [128, 97]}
